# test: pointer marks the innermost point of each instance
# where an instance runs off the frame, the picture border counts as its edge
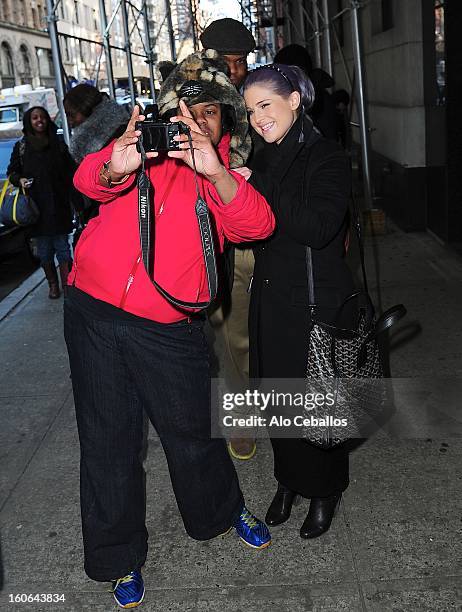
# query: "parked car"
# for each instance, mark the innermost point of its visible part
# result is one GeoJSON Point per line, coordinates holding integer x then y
{"type": "Point", "coordinates": [12, 239]}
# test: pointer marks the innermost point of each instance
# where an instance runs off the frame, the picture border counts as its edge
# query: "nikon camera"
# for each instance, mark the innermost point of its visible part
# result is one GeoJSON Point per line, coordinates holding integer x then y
{"type": "Point", "coordinates": [157, 135]}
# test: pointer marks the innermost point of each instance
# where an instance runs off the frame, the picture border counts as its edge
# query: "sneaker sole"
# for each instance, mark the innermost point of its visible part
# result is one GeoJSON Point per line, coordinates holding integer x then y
{"type": "Point", "coordinates": [235, 455]}
{"type": "Point", "coordinates": [261, 547]}
{"type": "Point", "coordinates": [135, 604]}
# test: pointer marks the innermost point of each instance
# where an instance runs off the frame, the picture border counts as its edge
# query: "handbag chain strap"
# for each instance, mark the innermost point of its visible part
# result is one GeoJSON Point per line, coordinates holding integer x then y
{"type": "Point", "coordinates": [314, 137]}
{"type": "Point", "coordinates": [145, 193]}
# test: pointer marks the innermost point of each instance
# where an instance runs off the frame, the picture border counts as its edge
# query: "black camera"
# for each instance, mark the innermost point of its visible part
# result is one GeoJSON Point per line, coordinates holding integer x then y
{"type": "Point", "coordinates": [157, 135]}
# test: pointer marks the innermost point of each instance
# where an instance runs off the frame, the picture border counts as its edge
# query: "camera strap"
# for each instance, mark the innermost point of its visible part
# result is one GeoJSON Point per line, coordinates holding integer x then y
{"type": "Point", "coordinates": [145, 193]}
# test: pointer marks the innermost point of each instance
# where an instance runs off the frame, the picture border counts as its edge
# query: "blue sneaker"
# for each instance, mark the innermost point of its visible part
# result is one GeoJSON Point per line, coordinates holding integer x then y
{"type": "Point", "coordinates": [251, 530]}
{"type": "Point", "coordinates": [129, 590]}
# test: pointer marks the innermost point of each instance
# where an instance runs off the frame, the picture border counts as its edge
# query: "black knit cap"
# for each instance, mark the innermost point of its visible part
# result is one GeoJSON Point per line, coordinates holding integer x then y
{"type": "Point", "coordinates": [295, 55]}
{"type": "Point", "coordinates": [228, 37]}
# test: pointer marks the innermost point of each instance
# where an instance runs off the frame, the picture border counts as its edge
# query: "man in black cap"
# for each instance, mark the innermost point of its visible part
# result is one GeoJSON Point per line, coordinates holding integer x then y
{"type": "Point", "coordinates": [234, 42]}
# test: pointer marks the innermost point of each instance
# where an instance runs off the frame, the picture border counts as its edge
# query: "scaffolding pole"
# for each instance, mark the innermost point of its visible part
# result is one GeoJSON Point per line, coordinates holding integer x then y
{"type": "Point", "coordinates": [192, 12]}
{"type": "Point", "coordinates": [107, 48]}
{"type": "Point", "coordinates": [317, 42]}
{"type": "Point", "coordinates": [149, 51]}
{"type": "Point", "coordinates": [171, 33]}
{"type": "Point", "coordinates": [274, 16]}
{"type": "Point", "coordinates": [327, 59]}
{"type": "Point", "coordinates": [361, 102]}
{"type": "Point", "coordinates": [57, 64]}
{"type": "Point", "coordinates": [128, 51]}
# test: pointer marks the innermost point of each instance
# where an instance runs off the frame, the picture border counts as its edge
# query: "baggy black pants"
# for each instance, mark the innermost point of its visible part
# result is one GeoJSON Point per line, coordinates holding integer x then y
{"type": "Point", "coordinates": [118, 369]}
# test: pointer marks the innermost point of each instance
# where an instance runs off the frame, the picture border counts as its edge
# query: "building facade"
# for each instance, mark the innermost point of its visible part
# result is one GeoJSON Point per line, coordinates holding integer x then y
{"type": "Point", "coordinates": [25, 49]}
{"type": "Point", "coordinates": [25, 55]}
{"type": "Point", "coordinates": [412, 59]}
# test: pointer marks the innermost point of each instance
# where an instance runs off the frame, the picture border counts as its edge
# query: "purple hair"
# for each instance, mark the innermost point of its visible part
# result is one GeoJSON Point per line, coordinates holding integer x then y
{"type": "Point", "coordinates": [283, 80]}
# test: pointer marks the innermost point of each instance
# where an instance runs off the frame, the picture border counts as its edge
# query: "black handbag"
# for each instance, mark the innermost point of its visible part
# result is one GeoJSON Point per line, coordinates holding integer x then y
{"type": "Point", "coordinates": [345, 368]}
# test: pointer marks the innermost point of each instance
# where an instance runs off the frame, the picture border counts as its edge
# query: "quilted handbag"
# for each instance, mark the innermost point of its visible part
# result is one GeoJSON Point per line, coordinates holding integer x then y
{"type": "Point", "coordinates": [345, 366]}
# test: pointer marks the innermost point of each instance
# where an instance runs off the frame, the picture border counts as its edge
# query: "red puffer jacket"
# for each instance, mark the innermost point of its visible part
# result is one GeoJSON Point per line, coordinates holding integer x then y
{"type": "Point", "coordinates": [107, 262]}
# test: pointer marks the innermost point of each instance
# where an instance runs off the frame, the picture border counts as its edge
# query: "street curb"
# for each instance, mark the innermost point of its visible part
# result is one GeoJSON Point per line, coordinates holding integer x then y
{"type": "Point", "coordinates": [13, 299]}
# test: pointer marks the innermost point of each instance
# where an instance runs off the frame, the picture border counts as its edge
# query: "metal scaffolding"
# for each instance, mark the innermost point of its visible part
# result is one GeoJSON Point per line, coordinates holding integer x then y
{"type": "Point", "coordinates": [314, 26]}
{"type": "Point", "coordinates": [131, 14]}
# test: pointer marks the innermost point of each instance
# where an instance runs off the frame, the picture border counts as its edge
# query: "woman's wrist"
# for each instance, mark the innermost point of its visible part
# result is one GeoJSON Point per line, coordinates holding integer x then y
{"type": "Point", "coordinates": [109, 177]}
{"type": "Point", "coordinates": [216, 176]}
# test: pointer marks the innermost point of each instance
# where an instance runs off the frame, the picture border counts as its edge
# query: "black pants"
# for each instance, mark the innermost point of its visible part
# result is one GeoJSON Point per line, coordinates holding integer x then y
{"type": "Point", "coordinates": [309, 470]}
{"type": "Point", "coordinates": [118, 369]}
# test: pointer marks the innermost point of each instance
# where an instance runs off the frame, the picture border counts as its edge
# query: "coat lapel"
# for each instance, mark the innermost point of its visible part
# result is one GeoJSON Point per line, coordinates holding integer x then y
{"type": "Point", "coordinates": [290, 148]}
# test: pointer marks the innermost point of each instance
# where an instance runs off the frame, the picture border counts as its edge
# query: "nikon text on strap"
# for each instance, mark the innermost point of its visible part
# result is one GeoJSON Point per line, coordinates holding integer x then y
{"type": "Point", "coordinates": [205, 229]}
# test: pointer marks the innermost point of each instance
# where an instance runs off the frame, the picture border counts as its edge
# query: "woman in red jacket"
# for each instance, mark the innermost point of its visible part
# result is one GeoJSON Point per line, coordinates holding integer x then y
{"type": "Point", "coordinates": [132, 350]}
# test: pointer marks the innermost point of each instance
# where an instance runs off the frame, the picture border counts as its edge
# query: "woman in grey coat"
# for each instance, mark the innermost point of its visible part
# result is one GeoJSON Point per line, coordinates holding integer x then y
{"type": "Point", "coordinates": [95, 120]}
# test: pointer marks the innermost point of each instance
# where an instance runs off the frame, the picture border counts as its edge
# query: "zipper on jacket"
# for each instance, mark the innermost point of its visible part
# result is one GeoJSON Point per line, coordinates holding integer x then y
{"type": "Point", "coordinates": [131, 278]}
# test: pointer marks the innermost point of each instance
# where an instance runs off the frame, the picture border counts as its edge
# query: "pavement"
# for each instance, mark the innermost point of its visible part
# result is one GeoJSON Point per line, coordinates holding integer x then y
{"type": "Point", "coordinates": [394, 546]}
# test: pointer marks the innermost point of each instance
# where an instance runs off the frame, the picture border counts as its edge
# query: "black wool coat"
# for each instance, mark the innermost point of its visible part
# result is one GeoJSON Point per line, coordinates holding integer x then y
{"type": "Point", "coordinates": [52, 169]}
{"type": "Point", "coordinates": [308, 188]}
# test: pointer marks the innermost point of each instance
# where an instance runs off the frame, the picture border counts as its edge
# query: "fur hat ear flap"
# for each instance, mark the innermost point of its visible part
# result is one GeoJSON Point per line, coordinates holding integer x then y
{"type": "Point", "coordinates": [202, 77]}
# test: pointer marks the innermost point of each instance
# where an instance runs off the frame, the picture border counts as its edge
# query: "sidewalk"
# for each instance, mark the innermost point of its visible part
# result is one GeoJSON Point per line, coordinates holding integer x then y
{"type": "Point", "coordinates": [395, 545]}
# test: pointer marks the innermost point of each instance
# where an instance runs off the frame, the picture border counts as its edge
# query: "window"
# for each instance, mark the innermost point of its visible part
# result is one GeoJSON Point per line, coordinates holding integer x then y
{"type": "Point", "coordinates": [5, 13]}
{"type": "Point", "coordinates": [35, 18]}
{"type": "Point", "coordinates": [95, 20]}
{"type": "Point", "coordinates": [7, 66]}
{"type": "Point", "coordinates": [382, 16]}
{"type": "Point", "coordinates": [387, 15]}
{"type": "Point", "coordinates": [87, 17]}
{"type": "Point", "coordinates": [65, 49]}
{"type": "Point", "coordinates": [21, 13]}
{"type": "Point", "coordinates": [45, 62]}
{"type": "Point", "coordinates": [62, 11]}
{"type": "Point", "coordinates": [26, 72]}
{"type": "Point", "coordinates": [76, 11]}
{"type": "Point", "coordinates": [41, 17]}
{"type": "Point", "coordinates": [9, 115]}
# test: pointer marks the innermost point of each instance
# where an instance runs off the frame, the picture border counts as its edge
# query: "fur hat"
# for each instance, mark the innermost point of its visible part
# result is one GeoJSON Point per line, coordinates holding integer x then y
{"type": "Point", "coordinates": [165, 68]}
{"type": "Point", "coordinates": [202, 77]}
{"type": "Point", "coordinates": [228, 36]}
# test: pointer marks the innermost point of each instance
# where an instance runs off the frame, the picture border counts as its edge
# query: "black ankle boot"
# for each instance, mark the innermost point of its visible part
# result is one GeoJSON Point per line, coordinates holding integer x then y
{"type": "Point", "coordinates": [281, 506]}
{"type": "Point", "coordinates": [320, 515]}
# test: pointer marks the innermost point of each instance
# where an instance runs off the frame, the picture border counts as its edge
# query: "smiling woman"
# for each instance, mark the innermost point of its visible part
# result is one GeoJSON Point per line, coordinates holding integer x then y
{"type": "Point", "coordinates": [306, 181]}
{"type": "Point", "coordinates": [275, 96]}
{"type": "Point", "coordinates": [45, 159]}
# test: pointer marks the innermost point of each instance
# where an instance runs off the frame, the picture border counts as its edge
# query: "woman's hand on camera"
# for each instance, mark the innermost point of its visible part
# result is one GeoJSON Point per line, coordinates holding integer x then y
{"type": "Point", "coordinates": [205, 155]}
{"type": "Point", "coordinates": [206, 158]}
{"type": "Point", "coordinates": [125, 158]}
